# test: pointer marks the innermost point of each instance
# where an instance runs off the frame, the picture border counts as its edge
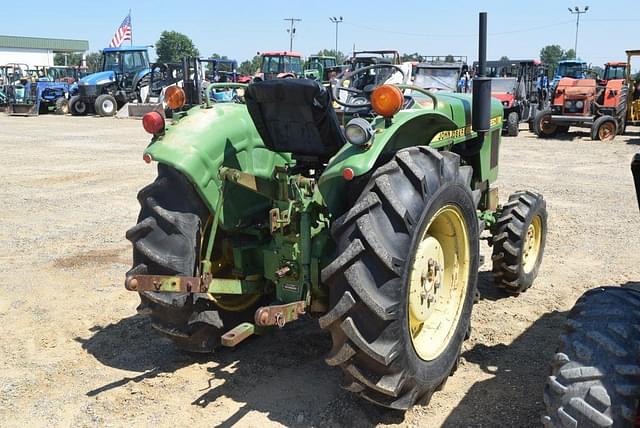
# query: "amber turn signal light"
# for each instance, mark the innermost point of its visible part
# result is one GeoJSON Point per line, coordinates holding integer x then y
{"type": "Point", "coordinates": [387, 100]}
{"type": "Point", "coordinates": [174, 97]}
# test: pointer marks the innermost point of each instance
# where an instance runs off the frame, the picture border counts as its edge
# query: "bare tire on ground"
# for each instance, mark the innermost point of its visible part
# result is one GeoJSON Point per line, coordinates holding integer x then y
{"type": "Point", "coordinates": [407, 249]}
{"type": "Point", "coordinates": [106, 105]}
{"type": "Point", "coordinates": [518, 240]}
{"type": "Point", "coordinates": [542, 125]}
{"type": "Point", "coordinates": [605, 128]}
{"type": "Point", "coordinates": [513, 124]}
{"type": "Point", "coordinates": [167, 241]}
{"type": "Point", "coordinates": [77, 106]}
{"type": "Point", "coordinates": [62, 106]}
{"type": "Point", "coordinates": [595, 375]}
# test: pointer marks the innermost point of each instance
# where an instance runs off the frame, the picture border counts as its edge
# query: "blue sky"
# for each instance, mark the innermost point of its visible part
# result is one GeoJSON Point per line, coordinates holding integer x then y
{"type": "Point", "coordinates": [238, 29]}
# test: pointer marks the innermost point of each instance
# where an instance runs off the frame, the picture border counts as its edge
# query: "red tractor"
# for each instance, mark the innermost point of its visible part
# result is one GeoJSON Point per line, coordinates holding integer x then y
{"type": "Point", "coordinates": [600, 104]}
{"type": "Point", "coordinates": [279, 65]}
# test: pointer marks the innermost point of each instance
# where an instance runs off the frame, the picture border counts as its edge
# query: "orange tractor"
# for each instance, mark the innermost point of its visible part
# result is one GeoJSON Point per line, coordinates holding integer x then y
{"type": "Point", "coordinates": [600, 104]}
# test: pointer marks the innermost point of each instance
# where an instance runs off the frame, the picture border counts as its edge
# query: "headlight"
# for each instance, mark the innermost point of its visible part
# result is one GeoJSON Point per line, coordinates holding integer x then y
{"type": "Point", "coordinates": [358, 131]}
{"type": "Point", "coordinates": [568, 104]}
{"type": "Point", "coordinates": [579, 104]}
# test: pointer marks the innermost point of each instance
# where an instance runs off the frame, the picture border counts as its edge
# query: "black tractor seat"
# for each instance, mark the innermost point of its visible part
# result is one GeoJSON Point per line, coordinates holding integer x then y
{"type": "Point", "coordinates": [296, 116]}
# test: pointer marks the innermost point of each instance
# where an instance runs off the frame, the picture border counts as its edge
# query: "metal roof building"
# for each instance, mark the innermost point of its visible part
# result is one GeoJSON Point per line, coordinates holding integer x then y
{"type": "Point", "coordinates": [36, 50]}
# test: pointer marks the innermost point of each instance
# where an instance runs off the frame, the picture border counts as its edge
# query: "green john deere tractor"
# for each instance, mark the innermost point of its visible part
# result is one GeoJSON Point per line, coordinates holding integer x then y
{"type": "Point", "coordinates": [265, 209]}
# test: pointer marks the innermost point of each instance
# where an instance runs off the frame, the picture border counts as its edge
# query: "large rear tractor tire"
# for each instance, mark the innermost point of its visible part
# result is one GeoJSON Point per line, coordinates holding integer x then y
{"type": "Point", "coordinates": [542, 125]}
{"type": "Point", "coordinates": [402, 286]}
{"type": "Point", "coordinates": [595, 376]}
{"type": "Point", "coordinates": [518, 241]}
{"type": "Point", "coordinates": [513, 124]}
{"type": "Point", "coordinates": [605, 128]}
{"type": "Point", "coordinates": [167, 241]}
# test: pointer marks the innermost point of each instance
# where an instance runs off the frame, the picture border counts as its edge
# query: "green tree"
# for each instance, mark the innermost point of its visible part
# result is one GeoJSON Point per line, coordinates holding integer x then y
{"type": "Point", "coordinates": [173, 46]}
{"type": "Point", "coordinates": [410, 57]}
{"type": "Point", "coordinates": [340, 57]}
{"type": "Point", "coordinates": [550, 55]}
{"type": "Point", "coordinates": [449, 58]}
{"type": "Point", "coordinates": [569, 54]}
{"type": "Point", "coordinates": [504, 58]}
{"type": "Point", "coordinates": [67, 59]}
{"type": "Point", "coordinates": [218, 56]}
{"type": "Point", "coordinates": [94, 61]}
{"type": "Point", "coordinates": [249, 67]}
{"type": "Point", "coordinates": [598, 70]}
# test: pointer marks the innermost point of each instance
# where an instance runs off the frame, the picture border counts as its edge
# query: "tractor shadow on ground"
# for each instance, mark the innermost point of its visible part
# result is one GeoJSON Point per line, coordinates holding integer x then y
{"type": "Point", "coordinates": [488, 289]}
{"type": "Point", "coordinates": [519, 371]}
{"type": "Point", "coordinates": [281, 374]}
{"type": "Point", "coordinates": [130, 345]}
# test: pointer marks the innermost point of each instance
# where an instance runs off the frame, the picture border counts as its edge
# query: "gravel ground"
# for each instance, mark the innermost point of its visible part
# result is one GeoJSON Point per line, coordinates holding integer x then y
{"type": "Point", "coordinates": [73, 352]}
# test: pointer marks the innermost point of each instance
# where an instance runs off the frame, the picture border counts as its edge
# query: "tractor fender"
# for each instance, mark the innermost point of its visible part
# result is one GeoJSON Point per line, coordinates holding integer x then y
{"type": "Point", "coordinates": [408, 129]}
{"type": "Point", "coordinates": [139, 76]}
{"type": "Point", "coordinates": [205, 139]}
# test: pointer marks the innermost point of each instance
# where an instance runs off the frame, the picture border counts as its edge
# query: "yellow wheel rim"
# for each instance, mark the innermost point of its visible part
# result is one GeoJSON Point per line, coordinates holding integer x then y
{"type": "Point", "coordinates": [531, 248]}
{"type": "Point", "coordinates": [438, 282]}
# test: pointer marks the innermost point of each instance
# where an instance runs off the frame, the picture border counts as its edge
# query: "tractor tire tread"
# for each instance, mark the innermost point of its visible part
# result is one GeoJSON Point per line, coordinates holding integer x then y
{"type": "Point", "coordinates": [592, 383]}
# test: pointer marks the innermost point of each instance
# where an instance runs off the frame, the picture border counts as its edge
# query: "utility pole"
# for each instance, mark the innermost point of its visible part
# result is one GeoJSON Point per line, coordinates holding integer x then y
{"type": "Point", "coordinates": [292, 31]}
{"type": "Point", "coordinates": [336, 21]}
{"type": "Point", "coordinates": [576, 11]}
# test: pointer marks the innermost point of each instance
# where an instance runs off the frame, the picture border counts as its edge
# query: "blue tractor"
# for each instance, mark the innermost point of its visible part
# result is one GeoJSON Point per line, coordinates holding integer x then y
{"type": "Point", "coordinates": [125, 70]}
{"type": "Point", "coordinates": [574, 68]}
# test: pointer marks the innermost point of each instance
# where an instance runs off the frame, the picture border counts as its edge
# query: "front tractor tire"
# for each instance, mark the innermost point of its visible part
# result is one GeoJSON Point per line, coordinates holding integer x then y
{"type": "Point", "coordinates": [543, 127]}
{"type": "Point", "coordinates": [402, 286]}
{"type": "Point", "coordinates": [77, 106]}
{"type": "Point", "coordinates": [167, 241]}
{"type": "Point", "coordinates": [513, 124]}
{"type": "Point", "coordinates": [518, 241]}
{"type": "Point", "coordinates": [106, 105]}
{"type": "Point", "coordinates": [595, 375]}
{"type": "Point", "coordinates": [605, 128]}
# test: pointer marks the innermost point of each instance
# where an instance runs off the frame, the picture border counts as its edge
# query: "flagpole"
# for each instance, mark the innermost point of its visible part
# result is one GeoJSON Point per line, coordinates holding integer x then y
{"type": "Point", "coordinates": [131, 27]}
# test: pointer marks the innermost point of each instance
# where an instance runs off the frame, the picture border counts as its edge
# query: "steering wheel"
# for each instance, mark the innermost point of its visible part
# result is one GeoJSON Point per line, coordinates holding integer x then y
{"type": "Point", "coordinates": [358, 92]}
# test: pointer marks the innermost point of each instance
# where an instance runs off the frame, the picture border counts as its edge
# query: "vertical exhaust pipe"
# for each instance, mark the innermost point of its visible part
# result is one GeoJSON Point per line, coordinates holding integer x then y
{"type": "Point", "coordinates": [481, 101]}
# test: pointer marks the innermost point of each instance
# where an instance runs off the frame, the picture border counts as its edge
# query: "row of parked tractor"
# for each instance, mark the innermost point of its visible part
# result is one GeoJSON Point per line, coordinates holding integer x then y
{"type": "Point", "coordinates": [129, 83]}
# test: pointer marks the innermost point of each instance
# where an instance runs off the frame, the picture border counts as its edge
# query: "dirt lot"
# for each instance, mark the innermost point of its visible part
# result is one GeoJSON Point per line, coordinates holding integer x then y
{"type": "Point", "coordinates": [73, 352]}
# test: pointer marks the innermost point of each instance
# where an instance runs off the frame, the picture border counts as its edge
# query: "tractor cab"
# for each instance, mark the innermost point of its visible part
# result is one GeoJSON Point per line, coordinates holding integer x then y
{"type": "Point", "coordinates": [571, 68]}
{"type": "Point", "coordinates": [319, 67]}
{"type": "Point", "coordinates": [125, 70]}
{"type": "Point", "coordinates": [278, 65]}
{"type": "Point", "coordinates": [436, 73]}
{"type": "Point", "coordinates": [614, 71]}
{"type": "Point", "coordinates": [125, 62]}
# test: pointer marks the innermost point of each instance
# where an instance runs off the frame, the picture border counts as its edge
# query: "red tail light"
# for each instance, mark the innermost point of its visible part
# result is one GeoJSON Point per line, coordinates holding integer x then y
{"type": "Point", "coordinates": [153, 122]}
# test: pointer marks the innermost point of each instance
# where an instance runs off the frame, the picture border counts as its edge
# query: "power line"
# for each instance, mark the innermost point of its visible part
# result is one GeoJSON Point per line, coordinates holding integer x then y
{"type": "Point", "coordinates": [291, 30]}
{"type": "Point", "coordinates": [404, 33]}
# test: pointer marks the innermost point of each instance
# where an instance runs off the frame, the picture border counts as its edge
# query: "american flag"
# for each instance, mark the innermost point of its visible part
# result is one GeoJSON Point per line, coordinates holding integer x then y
{"type": "Point", "coordinates": [123, 33]}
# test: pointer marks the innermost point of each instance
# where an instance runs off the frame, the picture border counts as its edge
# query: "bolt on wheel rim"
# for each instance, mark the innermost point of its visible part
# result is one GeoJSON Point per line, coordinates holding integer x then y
{"type": "Point", "coordinates": [532, 241]}
{"type": "Point", "coordinates": [438, 283]}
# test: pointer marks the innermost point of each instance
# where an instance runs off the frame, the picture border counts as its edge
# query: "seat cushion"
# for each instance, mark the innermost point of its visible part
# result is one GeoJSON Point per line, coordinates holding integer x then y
{"type": "Point", "coordinates": [295, 116]}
